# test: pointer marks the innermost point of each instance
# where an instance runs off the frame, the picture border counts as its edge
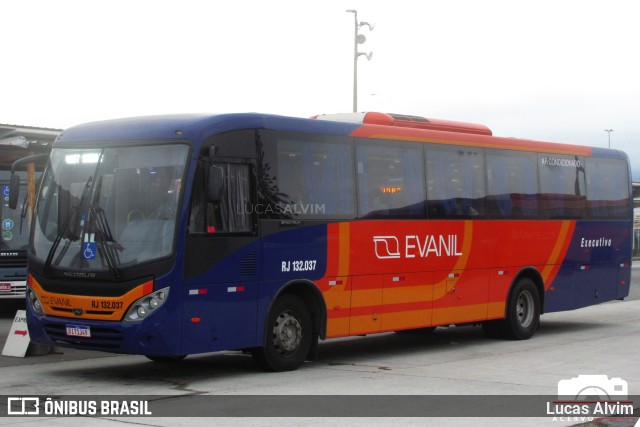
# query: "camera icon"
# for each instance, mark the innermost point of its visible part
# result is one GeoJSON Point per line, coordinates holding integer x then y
{"type": "Point", "coordinates": [23, 406]}
{"type": "Point", "coordinates": [599, 387]}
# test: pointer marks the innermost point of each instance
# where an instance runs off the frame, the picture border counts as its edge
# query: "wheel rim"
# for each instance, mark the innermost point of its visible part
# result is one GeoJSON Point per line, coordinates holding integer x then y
{"type": "Point", "coordinates": [525, 309]}
{"type": "Point", "coordinates": [287, 333]}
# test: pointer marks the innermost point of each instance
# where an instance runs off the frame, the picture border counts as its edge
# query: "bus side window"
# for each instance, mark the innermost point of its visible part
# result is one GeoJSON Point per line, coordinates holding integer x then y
{"type": "Point", "coordinates": [562, 186]}
{"type": "Point", "coordinates": [390, 180]}
{"type": "Point", "coordinates": [512, 184]}
{"type": "Point", "coordinates": [608, 189]}
{"type": "Point", "coordinates": [231, 213]}
{"type": "Point", "coordinates": [455, 182]}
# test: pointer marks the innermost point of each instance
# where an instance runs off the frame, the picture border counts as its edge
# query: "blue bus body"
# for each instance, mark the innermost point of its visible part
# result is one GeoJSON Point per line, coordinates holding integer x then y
{"type": "Point", "coordinates": [217, 289]}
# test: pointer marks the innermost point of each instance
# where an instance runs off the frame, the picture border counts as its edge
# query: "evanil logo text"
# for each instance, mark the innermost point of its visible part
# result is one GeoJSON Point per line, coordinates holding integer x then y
{"type": "Point", "coordinates": [415, 246]}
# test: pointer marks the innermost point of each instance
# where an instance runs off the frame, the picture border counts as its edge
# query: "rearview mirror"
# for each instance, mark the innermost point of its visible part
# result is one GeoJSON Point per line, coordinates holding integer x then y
{"type": "Point", "coordinates": [215, 183]}
{"type": "Point", "coordinates": [14, 190]}
{"type": "Point", "coordinates": [14, 185]}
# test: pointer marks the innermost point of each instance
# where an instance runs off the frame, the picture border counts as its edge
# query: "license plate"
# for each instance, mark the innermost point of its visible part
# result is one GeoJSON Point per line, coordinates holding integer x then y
{"type": "Point", "coordinates": [78, 331]}
{"type": "Point", "coordinates": [5, 287]}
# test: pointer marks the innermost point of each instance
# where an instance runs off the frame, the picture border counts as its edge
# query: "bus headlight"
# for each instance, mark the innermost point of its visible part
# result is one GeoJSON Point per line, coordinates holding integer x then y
{"type": "Point", "coordinates": [34, 302]}
{"type": "Point", "coordinates": [142, 307]}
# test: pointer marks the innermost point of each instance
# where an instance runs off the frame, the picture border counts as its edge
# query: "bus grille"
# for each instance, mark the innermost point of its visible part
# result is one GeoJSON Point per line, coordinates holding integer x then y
{"type": "Point", "coordinates": [101, 338]}
{"type": "Point", "coordinates": [17, 290]}
{"type": "Point", "coordinates": [248, 264]}
{"type": "Point", "coordinates": [92, 312]}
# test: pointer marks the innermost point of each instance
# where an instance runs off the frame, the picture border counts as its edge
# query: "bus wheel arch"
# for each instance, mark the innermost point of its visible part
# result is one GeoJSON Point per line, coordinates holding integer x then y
{"type": "Point", "coordinates": [295, 320]}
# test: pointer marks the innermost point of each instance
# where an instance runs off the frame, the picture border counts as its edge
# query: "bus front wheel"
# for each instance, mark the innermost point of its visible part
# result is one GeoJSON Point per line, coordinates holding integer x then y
{"type": "Point", "coordinates": [289, 335]}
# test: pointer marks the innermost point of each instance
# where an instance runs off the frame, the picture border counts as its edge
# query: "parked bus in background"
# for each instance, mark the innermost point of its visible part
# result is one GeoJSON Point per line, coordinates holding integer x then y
{"type": "Point", "coordinates": [173, 235]}
{"type": "Point", "coordinates": [16, 221]}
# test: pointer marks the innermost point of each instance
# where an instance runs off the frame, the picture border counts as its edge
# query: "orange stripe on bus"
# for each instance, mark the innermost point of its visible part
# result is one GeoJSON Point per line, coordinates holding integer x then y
{"type": "Point", "coordinates": [496, 310]}
{"type": "Point", "coordinates": [345, 248]}
{"type": "Point", "coordinates": [333, 249]}
{"type": "Point", "coordinates": [93, 307]}
{"type": "Point", "coordinates": [440, 289]}
{"type": "Point", "coordinates": [481, 141]}
{"type": "Point", "coordinates": [461, 314]}
{"type": "Point", "coordinates": [558, 252]}
{"type": "Point", "coordinates": [372, 321]}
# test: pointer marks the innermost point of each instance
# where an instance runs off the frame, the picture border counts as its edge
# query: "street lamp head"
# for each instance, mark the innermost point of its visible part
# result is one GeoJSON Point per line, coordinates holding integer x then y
{"type": "Point", "coordinates": [371, 26]}
{"type": "Point", "coordinates": [351, 11]}
{"type": "Point", "coordinates": [367, 55]}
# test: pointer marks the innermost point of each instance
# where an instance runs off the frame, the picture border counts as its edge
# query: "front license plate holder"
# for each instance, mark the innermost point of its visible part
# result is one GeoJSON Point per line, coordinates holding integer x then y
{"type": "Point", "coordinates": [78, 331]}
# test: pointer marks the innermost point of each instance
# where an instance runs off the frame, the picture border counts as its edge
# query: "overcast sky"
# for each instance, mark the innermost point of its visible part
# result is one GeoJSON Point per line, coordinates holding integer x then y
{"type": "Point", "coordinates": [552, 70]}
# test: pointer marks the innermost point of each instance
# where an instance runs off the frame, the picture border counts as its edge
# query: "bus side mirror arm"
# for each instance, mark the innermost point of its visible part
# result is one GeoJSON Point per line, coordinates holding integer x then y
{"type": "Point", "coordinates": [14, 184]}
{"type": "Point", "coordinates": [215, 184]}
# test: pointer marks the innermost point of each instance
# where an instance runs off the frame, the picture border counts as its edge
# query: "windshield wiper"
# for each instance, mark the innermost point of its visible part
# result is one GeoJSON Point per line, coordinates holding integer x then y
{"type": "Point", "coordinates": [108, 246]}
{"type": "Point", "coordinates": [74, 211]}
{"type": "Point", "coordinates": [98, 220]}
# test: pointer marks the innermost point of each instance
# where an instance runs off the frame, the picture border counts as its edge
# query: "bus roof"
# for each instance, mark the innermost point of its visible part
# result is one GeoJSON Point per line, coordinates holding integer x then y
{"type": "Point", "coordinates": [195, 127]}
{"type": "Point", "coordinates": [198, 127]}
{"type": "Point", "coordinates": [407, 121]}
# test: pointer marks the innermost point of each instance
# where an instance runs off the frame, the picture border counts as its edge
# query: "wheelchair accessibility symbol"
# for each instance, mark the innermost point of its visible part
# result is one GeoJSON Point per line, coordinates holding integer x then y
{"type": "Point", "coordinates": [89, 247]}
{"type": "Point", "coordinates": [89, 250]}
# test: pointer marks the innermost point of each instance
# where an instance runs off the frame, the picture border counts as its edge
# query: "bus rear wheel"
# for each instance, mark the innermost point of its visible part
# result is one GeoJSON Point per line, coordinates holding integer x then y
{"type": "Point", "coordinates": [523, 313]}
{"type": "Point", "coordinates": [289, 335]}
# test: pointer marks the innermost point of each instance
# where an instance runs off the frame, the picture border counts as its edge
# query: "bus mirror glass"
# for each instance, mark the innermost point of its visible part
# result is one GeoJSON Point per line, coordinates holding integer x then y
{"type": "Point", "coordinates": [14, 190]}
{"type": "Point", "coordinates": [215, 183]}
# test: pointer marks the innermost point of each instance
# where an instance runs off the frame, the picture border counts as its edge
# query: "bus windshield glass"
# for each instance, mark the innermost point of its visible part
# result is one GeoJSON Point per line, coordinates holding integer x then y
{"type": "Point", "coordinates": [109, 208]}
{"type": "Point", "coordinates": [15, 226]}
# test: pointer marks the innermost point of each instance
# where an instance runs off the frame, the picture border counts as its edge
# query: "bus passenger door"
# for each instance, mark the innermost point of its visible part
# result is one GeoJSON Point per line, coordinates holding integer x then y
{"type": "Point", "coordinates": [407, 301]}
{"type": "Point", "coordinates": [366, 304]}
{"type": "Point", "coordinates": [221, 259]}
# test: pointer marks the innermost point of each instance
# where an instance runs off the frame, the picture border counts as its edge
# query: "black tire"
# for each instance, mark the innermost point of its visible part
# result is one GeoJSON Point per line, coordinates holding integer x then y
{"type": "Point", "coordinates": [523, 314]}
{"type": "Point", "coordinates": [523, 311]}
{"type": "Point", "coordinates": [289, 336]}
{"type": "Point", "coordinates": [166, 359]}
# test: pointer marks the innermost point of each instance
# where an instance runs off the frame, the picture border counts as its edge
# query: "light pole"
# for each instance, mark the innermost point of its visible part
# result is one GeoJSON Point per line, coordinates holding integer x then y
{"type": "Point", "coordinates": [358, 39]}
{"type": "Point", "coordinates": [608, 131]}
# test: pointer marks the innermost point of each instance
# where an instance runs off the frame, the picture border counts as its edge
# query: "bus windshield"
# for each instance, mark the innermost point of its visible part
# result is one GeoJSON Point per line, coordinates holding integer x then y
{"type": "Point", "coordinates": [109, 208]}
{"type": "Point", "coordinates": [15, 228]}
